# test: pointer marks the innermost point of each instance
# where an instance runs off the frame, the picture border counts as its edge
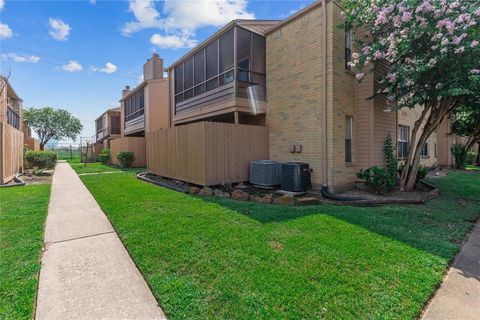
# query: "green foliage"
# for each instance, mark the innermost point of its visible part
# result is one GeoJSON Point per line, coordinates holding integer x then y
{"type": "Point", "coordinates": [471, 157]}
{"type": "Point", "coordinates": [126, 158]}
{"type": "Point", "coordinates": [51, 123]}
{"type": "Point", "coordinates": [459, 153]}
{"type": "Point", "coordinates": [22, 217]}
{"type": "Point", "coordinates": [225, 259]}
{"type": "Point", "coordinates": [391, 162]}
{"type": "Point", "coordinates": [104, 156]}
{"type": "Point", "coordinates": [466, 121]}
{"type": "Point", "coordinates": [421, 174]}
{"type": "Point", "coordinates": [376, 178]}
{"type": "Point", "coordinates": [41, 159]}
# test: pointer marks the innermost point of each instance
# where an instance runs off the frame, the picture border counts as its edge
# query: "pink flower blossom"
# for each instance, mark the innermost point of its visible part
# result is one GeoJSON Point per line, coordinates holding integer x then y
{"type": "Point", "coordinates": [360, 76]}
{"type": "Point", "coordinates": [475, 71]}
{"type": "Point", "coordinates": [407, 16]}
{"type": "Point", "coordinates": [474, 43]}
{"type": "Point", "coordinates": [460, 50]}
{"type": "Point", "coordinates": [392, 77]}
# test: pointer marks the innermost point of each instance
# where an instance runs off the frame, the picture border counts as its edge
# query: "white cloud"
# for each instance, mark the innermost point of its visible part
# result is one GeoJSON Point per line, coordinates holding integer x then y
{"type": "Point", "coordinates": [109, 68]}
{"type": "Point", "coordinates": [20, 58]}
{"type": "Point", "coordinates": [93, 2]}
{"type": "Point", "coordinates": [2, 4]}
{"type": "Point", "coordinates": [72, 66]}
{"type": "Point", "coordinates": [5, 31]}
{"type": "Point", "coordinates": [59, 30]}
{"type": "Point", "coordinates": [172, 41]}
{"type": "Point", "coordinates": [180, 19]}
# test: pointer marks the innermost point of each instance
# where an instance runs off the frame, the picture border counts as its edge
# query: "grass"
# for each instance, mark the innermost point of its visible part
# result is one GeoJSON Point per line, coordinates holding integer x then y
{"type": "Point", "coordinates": [221, 259]}
{"type": "Point", "coordinates": [97, 167]}
{"type": "Point", "coordinates": [73, 157]}
{"type": "Point", "coordinates": [472, 167]}
{"type": "Point", "coordinates": [22, 216]}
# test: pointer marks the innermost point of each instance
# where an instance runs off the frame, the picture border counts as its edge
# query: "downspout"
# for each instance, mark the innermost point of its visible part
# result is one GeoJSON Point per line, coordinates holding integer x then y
{"type": "Point", "coordinates": [325, 92]}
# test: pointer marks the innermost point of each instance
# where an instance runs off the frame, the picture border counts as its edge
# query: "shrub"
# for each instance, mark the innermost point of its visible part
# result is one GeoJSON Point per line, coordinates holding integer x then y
{"type": "Point", "coordinates": [376, 178]}
{"type": "Point", "coordinates": [126, 158]}
{"type": "Point", "coordinates": [459, 153]}
{"type": "Point", "coordinates": [471, 157]}
{"type": "Point", "coordinates": [421, 174]}
{"type": "Point", "coordinates": [104, 156]}
{"type": "Point", "coordinates": [41, 159]}
{"type": "Point", "coordinates": [391, 161]}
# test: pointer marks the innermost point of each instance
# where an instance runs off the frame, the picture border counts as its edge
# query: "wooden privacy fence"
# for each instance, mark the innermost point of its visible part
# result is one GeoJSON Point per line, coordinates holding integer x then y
{"type": "Point", "coordinates": [11, 152]}
{"type": "Point", "coordinates": [133, 144]}
{"type": "Point", "coordinates": [206, 153]}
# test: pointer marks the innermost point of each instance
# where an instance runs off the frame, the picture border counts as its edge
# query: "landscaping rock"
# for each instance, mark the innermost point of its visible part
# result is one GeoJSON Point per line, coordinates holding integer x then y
{"type": "Point", "coordinates": [193, 190]}
{"type": "Point", "coordinates": [206, 192]}
{"type": "Point", "coordinates": [305, 201]}
{"type": "Point", "coordinates": [219, 193]}
{"type": "Point", "coordinates": [241, 195]}
{"type": "Point", "coordinates": [285, 200]}
{"type": "Point", "coordinates": [265, 199]}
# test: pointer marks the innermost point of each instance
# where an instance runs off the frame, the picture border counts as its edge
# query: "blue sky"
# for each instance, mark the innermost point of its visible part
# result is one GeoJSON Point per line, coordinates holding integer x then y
{"type": "Point", "coordinates": [78, 55]}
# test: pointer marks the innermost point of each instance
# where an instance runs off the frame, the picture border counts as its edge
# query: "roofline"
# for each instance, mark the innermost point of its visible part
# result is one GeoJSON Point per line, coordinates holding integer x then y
{"type": "Point", "coordinates": [214, 36]}
{"type": "Point", "coordinates": [141, 85]}
{"type": "Point", "coordinates": [295, 15]}
{"type": "Point", "coordinates": [107, 111]}
{"type": "Point", "coordinates": [9, 87]}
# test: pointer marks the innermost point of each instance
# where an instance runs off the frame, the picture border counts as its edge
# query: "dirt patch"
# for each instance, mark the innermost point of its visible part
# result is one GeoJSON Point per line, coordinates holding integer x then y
{"type": "Point", "coordinates": [30, 179]}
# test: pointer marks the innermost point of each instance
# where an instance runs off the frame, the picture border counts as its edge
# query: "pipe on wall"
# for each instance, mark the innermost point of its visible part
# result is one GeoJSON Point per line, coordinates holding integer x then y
{"type": "Point", "coordinates": [325, 92]}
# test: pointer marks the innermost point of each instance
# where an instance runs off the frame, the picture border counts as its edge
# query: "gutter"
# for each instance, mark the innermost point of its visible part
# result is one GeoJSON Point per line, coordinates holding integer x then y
{"type": "Point", "coordinates": [325, 93]}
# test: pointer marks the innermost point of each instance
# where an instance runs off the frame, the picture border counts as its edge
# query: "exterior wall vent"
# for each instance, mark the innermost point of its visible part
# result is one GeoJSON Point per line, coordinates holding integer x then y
{"type": "Point", "coordinates": [295, 176]}
{"type": "Point", "coordinates": [265, 173]}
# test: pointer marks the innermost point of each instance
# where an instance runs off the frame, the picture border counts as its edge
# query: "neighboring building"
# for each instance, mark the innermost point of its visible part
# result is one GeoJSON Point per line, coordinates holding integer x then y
{"type": "Point", "coordinates": [11, 135]}
{"type": "Point", "coordinates": [28, 141]}
{"type": "Point", "coordinates": [143, 109]}
{"type": "Point", "coordinates": [107, 128]}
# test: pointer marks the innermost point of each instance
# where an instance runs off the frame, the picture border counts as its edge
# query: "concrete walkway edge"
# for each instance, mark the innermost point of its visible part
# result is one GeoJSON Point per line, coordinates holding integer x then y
{"type": "Point", "coordinates": [86, 271]}
{"type": "Point", "coordinates": [459, 295]}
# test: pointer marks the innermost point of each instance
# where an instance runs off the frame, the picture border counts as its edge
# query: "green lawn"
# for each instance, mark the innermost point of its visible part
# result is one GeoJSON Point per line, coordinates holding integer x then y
{"type": "Point", "coordinates": [73, 157]}
{"type": "Point", "coordinates": [221, 259]}
{"type": "Point", "coordinates": [22, 217]}
{"type": "Point", "coordinates": [97, 167]}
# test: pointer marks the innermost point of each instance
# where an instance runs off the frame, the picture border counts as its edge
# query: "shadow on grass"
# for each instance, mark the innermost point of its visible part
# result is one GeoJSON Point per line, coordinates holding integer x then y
{"type": "Point", "coordinates": [438, 226]}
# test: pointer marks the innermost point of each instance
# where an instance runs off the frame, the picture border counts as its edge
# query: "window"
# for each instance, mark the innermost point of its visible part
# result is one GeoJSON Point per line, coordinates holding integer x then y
{"type": "Point", "coordinates": [212, 59]}
{"type": "Point", "coordinates": [348, 48]}
{"type": "Point", "coordinates": [134, 105]}
{"type": "Point", "coordinates": [348, 138]}
{"type": "Point", "coordinates": [244, 41]}
{"type": "Point", "coordinates": [226, 51]}
{"type": "Point", "coordinates": [402, 142]}
{"type": "Point", "coordinates": [188, 74]}
{"type": "Point", "coordinates": [13, 118]}
{"type": "Point", "coordinates": [425, 150]}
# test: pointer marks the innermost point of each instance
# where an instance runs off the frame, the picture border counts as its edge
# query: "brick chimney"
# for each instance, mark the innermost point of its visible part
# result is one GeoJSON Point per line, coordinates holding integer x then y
{"type": "Point", "coordinates": [153, 68]}
{"type": "Point", "coordinates": [126, 91]}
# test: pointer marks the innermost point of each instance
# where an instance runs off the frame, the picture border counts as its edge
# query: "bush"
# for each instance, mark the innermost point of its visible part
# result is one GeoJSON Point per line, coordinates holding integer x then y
{"type": "Point", "coordinates": [376, 178]}
{"type": "Point", "coordinates": [459, 153]}
{"type": "Point", "coordinates": [41, 159]}
{"type": "Point", "coordinates": [126, 158]}
{"type": "Point", "coordinates": [104, 156]}
{"type": "Point", "coordinates": [421, 174]}
{"type": "Point", "coordinates": [471, 157]}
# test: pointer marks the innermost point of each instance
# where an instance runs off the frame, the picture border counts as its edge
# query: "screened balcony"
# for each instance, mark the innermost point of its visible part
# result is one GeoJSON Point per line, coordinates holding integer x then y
{"type": "Point", "coordinates": [224, 74]}
{"type": "Point", "coordinates": [134, 111]}
{"type": "Point", "coordinates": [108, 125]}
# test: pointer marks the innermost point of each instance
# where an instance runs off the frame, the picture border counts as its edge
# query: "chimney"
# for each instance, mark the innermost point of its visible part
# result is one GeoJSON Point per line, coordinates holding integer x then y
{"type": "Point", "coordinates": [126, 91]}
{"type": "Point", "coordinates": [153, 68]}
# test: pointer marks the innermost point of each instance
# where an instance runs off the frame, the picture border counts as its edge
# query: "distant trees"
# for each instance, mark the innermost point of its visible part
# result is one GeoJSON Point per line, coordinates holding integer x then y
{"type": "Point", "coordinates": [49, 123]}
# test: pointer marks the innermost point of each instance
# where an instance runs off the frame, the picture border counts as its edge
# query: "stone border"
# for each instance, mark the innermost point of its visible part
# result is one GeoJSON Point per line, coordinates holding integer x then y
{"type": "Point", "coordinates": [239, 194]}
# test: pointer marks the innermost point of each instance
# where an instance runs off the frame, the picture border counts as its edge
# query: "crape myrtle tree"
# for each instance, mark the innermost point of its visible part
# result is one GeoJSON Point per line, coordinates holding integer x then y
{"type": "Point", "coordinates": [432, 48]}
{"type": "Point", "coordinates": [49, 123]}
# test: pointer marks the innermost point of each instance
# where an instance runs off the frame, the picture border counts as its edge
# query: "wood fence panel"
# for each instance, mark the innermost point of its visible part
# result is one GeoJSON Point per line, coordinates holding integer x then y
{"type": "Point", "coordinates": [11, 152]}
{"type": "Point", "coordinates": [206, 153]}
{"type": "Point", "coordinates": [133, 144]}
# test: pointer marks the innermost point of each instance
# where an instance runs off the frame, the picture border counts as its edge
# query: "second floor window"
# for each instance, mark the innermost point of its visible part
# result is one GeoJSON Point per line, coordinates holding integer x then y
{"type": "Point", "coordinates": [402, 142]}
{"type": "Point", "coordinates": [348, 138]}
{"type": "Point", "coordinates": [134, 105]}
{"type": "Point", "coordinates": [13, 118]}
{"type": "Point", "coordinates": [348, 48]}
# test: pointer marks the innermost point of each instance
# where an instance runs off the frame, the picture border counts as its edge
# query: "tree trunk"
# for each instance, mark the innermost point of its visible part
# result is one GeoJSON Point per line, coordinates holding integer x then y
{"type": "Point", "coordinates": [478, 154]}
{"type": "Point", "coordinates": [438, 111]}
{"type": "Point", "coordinates": [42, 146]}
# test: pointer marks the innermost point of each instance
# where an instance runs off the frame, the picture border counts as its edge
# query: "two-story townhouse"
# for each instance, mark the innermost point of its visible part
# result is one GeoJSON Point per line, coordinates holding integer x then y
{"type": "Point", "coordinates": [107, 128]}
{"type": "Point", "coordinates": [11, 135]}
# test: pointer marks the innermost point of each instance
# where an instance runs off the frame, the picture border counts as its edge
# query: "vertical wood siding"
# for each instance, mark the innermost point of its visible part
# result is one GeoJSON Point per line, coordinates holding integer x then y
{"type": "Point", "coordinates": [11, 152]}
{"type": "Point", "coordinates": [206, 153]}
{"type": "Point", "coordinates": [133, 144]}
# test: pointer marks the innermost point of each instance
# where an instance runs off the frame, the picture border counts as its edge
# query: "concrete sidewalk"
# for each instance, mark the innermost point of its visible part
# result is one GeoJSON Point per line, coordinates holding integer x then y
{"type": "Point", "coordinates": [459, 295]}
{"type": "Point", "coordinates": [86, 272]}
